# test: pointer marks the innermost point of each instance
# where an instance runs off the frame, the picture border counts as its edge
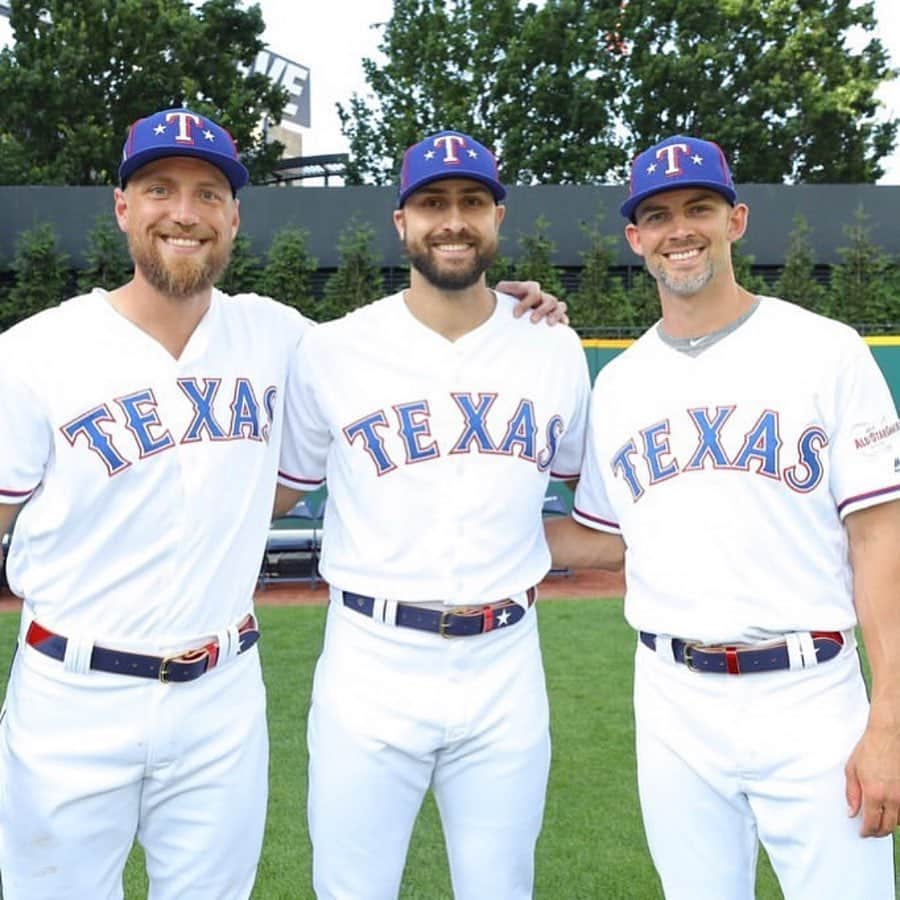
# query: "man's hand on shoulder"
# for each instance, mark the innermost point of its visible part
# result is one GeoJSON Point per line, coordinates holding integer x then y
{"type": "Point", "coordinates": [531, 297]}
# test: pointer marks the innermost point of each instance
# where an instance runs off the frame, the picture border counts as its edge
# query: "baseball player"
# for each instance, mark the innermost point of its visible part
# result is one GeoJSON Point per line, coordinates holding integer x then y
{"type": "Point", "coordinates": [141, 432]}
{"type": "Point", "coordinates": [140, 442]}
{"type": "Point", "coordinates": [746, 450]}
{"type": "Point", "coordinates": [438, 425]}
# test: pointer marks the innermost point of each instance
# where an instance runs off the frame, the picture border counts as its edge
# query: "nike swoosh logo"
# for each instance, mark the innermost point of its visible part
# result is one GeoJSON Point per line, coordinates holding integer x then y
{"type": "Point", "coordinates": [694, 341]}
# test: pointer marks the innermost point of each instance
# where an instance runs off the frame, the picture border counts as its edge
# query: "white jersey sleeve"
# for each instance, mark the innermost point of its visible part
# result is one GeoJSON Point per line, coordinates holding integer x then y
{"type": "Point", "coordinates": [25, 439]}
{"type": "Point", "coordinates": [592, 506]}
{"type": "Point", "coordinates": [569, 459]}
{"type": "Point", "coordinates": [865, 435]}
{"type": "Point", "coordinates": [304, 447]}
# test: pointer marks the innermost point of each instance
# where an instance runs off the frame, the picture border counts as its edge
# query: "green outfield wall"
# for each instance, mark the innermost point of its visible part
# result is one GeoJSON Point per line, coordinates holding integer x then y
{"type": "Point", "coordinates": [885, 349]}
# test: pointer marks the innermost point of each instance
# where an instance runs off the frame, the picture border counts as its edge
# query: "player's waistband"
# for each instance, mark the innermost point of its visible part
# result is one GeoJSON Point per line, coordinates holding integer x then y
{"type": "Point", "coordinates": [796, 650]}
{"type": "Point", "coordinates": [187, 665]}
{"type": "Point", "coordinates": [458, 621]}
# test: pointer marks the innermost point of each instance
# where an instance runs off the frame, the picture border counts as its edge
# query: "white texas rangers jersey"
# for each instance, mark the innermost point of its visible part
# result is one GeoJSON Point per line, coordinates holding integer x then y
{"type": "Point", "coordinates": [437, 453]}
{"type": "Point", "coordinates": [729, 473]}
{"type": "Point", "coordinates": [149, 480]}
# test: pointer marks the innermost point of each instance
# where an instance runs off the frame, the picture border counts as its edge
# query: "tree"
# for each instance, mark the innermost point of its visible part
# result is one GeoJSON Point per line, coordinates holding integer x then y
{"type": "Point", "coordinates": [644, 298]}
{"type": "Point", "coordinates": [535, 263]}
{"type": "Point", "coordinates": [860, 289]}
{"type": "Point", "coordinates": [357, 280]}
{"type": "Point", "coordinates": [41, 275]}
{"type": "Point", "coordinates": [287, 275]}
{"type": "Point", "coordinates": [742, 264]}
{"type": "Point", "coordinates": [772, 82]}
{"type": "Point", "coordinates": [600, 301]}
{"type": "Point", "coordinates": [243, 273]}
{"type": "Point", "coordinates": [797, 281]}
{"type": "Point", "coordinates": [528, 82]}
{"type": "Point", "coordinates": [567, 91]}
{"type": "Point", "coordinates": [109, 264]}
{"type": "Point", "coordinates": [79, 73]}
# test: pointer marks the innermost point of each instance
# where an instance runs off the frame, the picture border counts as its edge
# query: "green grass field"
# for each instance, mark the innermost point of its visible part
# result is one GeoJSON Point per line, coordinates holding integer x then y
{"type": "Point", "coordinates": [592, 845]}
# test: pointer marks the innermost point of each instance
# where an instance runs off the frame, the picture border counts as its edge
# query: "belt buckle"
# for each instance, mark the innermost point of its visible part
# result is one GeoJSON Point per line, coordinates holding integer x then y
{"type": "Point", "coordinates": [688, 656]}
{"type": "Point", "coordinates": [444, 624]}
{"type": "Point", "coordinates": [164, 667]}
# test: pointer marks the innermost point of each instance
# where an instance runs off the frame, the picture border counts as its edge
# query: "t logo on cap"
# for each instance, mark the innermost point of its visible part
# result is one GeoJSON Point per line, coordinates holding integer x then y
{"type": "Point", "coordinates": [180, 132]}
{"type": "Point", "coordinates": [678, 162]}
{"type": "Point", "coordinates": [448, 154]}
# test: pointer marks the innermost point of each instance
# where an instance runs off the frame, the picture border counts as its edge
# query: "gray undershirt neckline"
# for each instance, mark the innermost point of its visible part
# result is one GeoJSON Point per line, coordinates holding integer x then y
{"type": "Point", "coordinates": [695, 346]}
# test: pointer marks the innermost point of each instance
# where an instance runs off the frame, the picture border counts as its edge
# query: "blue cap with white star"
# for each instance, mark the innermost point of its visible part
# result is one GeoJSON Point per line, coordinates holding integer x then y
{"type": "Point", "coordinates": [448, 154]}
{"type": "Point", "coordinates": [678, 162]}
{"type": "Point", "coordinates": [180, 132]}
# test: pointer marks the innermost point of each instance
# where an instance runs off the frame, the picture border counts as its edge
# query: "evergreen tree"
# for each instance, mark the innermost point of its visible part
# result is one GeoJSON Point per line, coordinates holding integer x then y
{"type": "Point", "coordinates": [644, 299]}
{"type": "Point", "coordinates": [797, 281]}
{"type": "Point", "coordinates": [41, 275]}
{"type": "Point", "coordinates": [244, 272]}
{"type": "Point", "coordinates": [357, 280]}
{"type": "Point", "coordinates": [600, 300]}
{"type": "Point", "coordinates": [287, 274]}
{"type": "Point", "coordinates": [743, 271]}
{"type": "Point", "coordinates": [501, 269]}
{"type": "Point", "coordinates": [535, 262]}
{"type": "Point", "coordinates": [860, 292]}
{"type": "Point", "coordinates": [109, 265]}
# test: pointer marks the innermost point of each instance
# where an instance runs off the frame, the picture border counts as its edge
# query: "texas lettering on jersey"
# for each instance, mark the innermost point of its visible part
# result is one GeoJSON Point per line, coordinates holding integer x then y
{"type": "Point", "coordinates": [248, 419]}
{"type": "Point", "coordinates": [758, 450]}
{"type": "Point", "coordinates": [411, 423]}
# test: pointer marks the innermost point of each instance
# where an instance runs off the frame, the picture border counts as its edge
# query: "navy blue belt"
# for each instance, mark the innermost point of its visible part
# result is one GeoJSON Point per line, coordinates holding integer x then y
{"type": "Point", "coordinates": [184, 666]}
{"type": "Point", "coordinates": [460, 621]}
{"type": "Point", "coordinates": [743, 659]}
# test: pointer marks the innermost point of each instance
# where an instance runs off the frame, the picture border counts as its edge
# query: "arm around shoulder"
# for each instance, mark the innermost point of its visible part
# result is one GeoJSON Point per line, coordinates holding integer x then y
{"type": "Point", "coordinates": [576, 546]}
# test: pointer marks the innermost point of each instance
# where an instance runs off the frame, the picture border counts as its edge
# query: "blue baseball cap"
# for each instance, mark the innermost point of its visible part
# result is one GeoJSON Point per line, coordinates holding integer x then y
{"type": "Point", "coordinates": [180, 132]}
{"type": "Point", "coordinates": [448, 154]}
{"type": "Point", "coordinates": [678, 162]}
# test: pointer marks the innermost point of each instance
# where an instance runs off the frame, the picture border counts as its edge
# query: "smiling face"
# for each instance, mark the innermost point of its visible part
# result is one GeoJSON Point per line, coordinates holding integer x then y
{"type": "Point", "coordinates": [450, 231]}
{"type": "Point", "coordinates": [685, 238]}
{"type": "Point", "coordinates": [181, 219]}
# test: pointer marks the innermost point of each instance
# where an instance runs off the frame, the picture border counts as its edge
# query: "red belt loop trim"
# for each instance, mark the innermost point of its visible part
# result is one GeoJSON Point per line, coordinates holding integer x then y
{"type": "Point", "coordinates": [37, 634]}
{"type": "Point", "coordinates": [488, 619]}
{"type": "Point", "coordinates": [731, 661]}
{"type": "Point", "coordinates": [835, 636]}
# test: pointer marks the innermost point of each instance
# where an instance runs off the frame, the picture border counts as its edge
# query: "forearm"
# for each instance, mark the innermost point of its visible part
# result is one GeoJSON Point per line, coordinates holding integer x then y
{"type": "Point", "coordinates": [574, 546]}
{"type": "Point", "coordinates": [285, 499]}
{"type": "Point", "coordinates": [875, 558]}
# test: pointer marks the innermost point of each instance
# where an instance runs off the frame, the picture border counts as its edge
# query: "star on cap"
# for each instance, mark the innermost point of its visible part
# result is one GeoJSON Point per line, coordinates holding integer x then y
{"type": "Point", "coordinates": [697, 159]}
{"type": "Point", "coordinates": [429, 154]}
{"type": "Point", "coordinates": [472, 154]}
{"type": "Point", "coordinates": [651, 168]}
{"type": "Point", "coordinates": [503, 618]}
{"type": "Point", "coordinates": [209, 135]}
{"type": "Point", "coordinates": [160, 129]}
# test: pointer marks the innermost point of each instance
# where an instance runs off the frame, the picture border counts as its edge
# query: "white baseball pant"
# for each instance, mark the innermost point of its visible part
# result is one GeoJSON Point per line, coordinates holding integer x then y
{"type": "Point", "coordinates": [396, 711]}
{"type": "Point", "coordinates": [90, 761]}
{"type": "Point", "coordinates": [726, 762]}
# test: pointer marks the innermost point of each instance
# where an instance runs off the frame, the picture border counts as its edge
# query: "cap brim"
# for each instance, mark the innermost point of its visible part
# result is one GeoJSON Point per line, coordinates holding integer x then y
{"type": "Point", "coordinates": [631, 204]}
{"type": "Point", "coordinates": [496, 189]}
{"type": "Point", "coordinates": [234, 171]}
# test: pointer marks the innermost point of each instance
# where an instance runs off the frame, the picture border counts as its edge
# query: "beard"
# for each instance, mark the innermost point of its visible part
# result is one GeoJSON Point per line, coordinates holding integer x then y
{"type": "Point", "coordinates": [451, 278]}
{"type": "Point", "coordinates": [182, 278]}
{"type": "Point", "coordinates": [684, 286]}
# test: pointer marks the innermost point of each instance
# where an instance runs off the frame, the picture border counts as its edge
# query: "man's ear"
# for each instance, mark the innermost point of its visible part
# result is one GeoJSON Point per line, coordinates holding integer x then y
{"type": "Point", "coordinates": [400, 223]}
{"type": "Point", "coordinates": [633, 236]}
{"type": "Point", "coordinates": [120, 208]}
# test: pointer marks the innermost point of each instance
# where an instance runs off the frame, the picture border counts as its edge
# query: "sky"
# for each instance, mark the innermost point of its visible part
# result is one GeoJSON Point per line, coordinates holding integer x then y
{"type": "Point", "coordinates": [332, 38]}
